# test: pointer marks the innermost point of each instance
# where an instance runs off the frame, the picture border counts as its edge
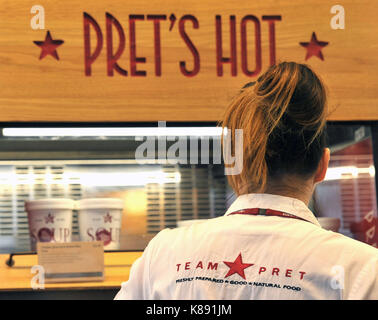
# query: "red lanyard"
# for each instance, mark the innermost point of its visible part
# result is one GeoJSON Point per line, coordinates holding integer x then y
{"type": "Point", "coordinates": [266, 212]}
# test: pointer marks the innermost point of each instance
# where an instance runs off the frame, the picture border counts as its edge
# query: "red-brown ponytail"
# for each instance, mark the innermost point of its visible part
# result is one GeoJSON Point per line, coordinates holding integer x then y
{"type": "Point", "coordinates": [282, 116]}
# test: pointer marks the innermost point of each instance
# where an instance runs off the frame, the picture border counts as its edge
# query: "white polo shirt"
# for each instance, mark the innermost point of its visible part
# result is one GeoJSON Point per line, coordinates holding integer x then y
{"type": "Point", "coordinates": [254, 257]}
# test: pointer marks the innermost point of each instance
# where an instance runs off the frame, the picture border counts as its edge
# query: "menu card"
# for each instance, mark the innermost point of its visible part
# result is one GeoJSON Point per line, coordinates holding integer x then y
{"type": "Point", "coordinates": [72, 261]}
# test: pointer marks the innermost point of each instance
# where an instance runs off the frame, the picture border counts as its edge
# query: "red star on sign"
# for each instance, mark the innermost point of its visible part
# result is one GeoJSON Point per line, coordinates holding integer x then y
{"type": "Point", "coordinates": [237, 267]}
{"type": "Point", "coordinates": [314, 47]}
{"type": "Point", "coordinates": [49, 46]}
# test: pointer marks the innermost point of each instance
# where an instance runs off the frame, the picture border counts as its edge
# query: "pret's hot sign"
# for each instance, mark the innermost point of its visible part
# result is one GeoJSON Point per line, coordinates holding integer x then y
{"type": "Point", "coordinates": [116, 52]}
{"type": "Point", "coordinates": [178, 61]}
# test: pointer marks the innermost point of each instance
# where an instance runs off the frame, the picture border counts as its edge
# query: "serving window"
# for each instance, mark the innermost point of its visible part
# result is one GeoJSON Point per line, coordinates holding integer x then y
{"type": "Point", "coordinates": [77, 162]}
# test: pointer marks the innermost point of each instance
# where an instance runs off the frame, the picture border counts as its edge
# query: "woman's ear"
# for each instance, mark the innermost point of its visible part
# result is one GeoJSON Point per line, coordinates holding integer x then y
{"type": "Point", "coordinates": [323, 166]}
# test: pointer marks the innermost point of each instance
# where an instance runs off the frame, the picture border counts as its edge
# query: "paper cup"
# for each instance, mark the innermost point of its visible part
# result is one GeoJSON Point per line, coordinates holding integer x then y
{"type": "Point", "coordinates": [100, 220]}
{"type": "Point", "coordinates": [50, 220]}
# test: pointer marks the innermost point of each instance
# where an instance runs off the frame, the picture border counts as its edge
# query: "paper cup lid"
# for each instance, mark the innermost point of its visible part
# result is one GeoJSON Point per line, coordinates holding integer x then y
{"type": "Point", "coordinates": [47, 204]}
{"type": "Point", "coordinates": [100, 203]}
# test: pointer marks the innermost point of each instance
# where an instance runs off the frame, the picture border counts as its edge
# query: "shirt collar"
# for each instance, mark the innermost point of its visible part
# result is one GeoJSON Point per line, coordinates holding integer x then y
{"type": "Point", "coordinates": [275, 202]}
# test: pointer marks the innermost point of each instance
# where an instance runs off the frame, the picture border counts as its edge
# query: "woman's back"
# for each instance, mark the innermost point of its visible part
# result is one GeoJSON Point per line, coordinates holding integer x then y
{"type": "Point", "coordinates": [239, 256]}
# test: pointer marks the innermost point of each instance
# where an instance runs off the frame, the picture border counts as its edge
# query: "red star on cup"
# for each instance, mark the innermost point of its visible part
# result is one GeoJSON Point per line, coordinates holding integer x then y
{"type": "Point", "coordinates": [108, 218]}
{"type": "Point", "coordinates": [49, 218]}
{"type": "Point", "coordinates": [314, 47]}
{"type": "Point", "coordinates": [237, 267]}
{"type": "Point", "coordinates": [48, 47]}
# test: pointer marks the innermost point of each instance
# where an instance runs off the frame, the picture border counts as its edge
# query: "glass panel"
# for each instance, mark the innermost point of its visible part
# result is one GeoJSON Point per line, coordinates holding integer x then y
{"type": "Point", "coordinates": [159, 194]}
{"type": "Point", "coordinates": [349, 190]}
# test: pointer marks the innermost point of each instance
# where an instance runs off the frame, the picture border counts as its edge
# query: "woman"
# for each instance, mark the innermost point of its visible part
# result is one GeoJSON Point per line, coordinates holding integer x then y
{"type": "Point", "coordinates": [268, 245]}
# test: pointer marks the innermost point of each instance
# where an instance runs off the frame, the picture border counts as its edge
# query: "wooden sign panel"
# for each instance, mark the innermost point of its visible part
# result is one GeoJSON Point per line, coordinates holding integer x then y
{"type": "Point", "coordinates": [149, 60]}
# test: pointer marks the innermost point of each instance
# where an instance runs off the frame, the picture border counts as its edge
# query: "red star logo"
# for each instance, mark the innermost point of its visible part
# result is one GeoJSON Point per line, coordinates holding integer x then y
{"type": "Point", "coordinates": [108, 218]}
{"type": "Point", "coordinates": [48, 46]}
{"type": "Point", "coordinates": [314, 47]}
{"type": "Point", "coordinates": [237, 267]}
{"type": "Point", "coordinates": [49, 218]}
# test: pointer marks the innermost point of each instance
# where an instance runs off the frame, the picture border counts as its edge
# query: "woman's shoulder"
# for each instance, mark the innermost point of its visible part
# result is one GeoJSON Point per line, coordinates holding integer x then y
{"type": "Point", "coordinates": [343, 243]}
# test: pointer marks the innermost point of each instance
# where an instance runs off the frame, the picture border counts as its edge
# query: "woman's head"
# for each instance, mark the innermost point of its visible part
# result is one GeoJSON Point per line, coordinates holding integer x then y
{"type": "Point", "coordinates": [283, 116]}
